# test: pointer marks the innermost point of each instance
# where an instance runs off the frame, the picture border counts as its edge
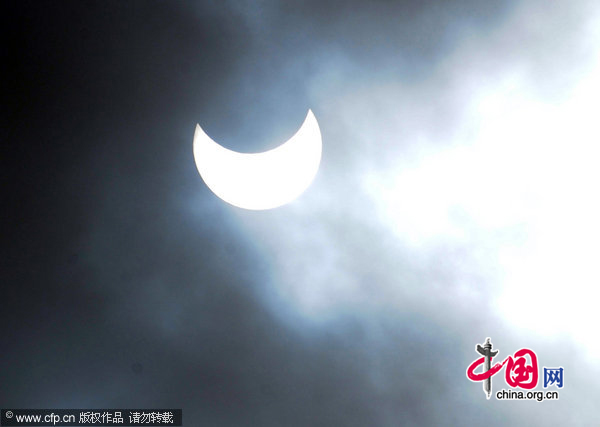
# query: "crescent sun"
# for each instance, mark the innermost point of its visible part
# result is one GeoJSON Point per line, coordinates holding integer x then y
{"type": "Point", "coordinates": [264, 180]}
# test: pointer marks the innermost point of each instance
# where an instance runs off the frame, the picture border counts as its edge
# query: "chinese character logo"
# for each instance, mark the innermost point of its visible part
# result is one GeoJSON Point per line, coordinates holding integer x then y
{"type": "Point", "coordinates": [521, 368]}
{"type": "Point", "coordinates": [553, 376]}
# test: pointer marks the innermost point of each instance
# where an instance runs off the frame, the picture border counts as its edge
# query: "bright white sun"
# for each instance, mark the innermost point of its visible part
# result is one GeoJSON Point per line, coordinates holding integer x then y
{"type": "Point", "coordinates": [264, 180]}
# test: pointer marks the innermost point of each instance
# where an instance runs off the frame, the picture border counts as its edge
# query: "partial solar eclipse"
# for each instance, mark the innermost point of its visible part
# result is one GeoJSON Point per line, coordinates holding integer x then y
{"type": "Point", "coordinates": [264, 180]}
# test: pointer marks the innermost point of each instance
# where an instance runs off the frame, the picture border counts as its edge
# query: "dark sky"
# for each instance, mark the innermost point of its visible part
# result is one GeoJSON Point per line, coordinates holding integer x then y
{"type": "Point", "coordinates": [456, 200]}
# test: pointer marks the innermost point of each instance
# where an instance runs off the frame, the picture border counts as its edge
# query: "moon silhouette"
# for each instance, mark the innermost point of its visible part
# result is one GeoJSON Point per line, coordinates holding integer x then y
{"type": "Point", "coordinates": [259, 181]}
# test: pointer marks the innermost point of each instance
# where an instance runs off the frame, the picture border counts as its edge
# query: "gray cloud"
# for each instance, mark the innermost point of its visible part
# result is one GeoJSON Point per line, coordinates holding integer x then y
{"type": "Point", "coordinates": [361, 302]}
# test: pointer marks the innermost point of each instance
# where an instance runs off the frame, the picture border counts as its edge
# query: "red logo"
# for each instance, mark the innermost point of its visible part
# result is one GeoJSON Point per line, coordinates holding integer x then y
{"type": "Point", "coordinates": [521, 368]}
{"type": "Point", "coordinates": [518, 372]}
